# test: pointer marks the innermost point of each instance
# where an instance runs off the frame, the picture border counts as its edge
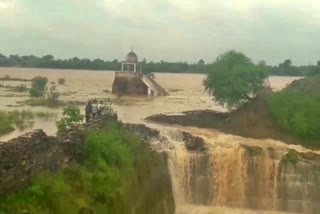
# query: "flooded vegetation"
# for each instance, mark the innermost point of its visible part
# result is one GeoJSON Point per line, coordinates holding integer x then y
{"type": "Point", "coordinates": [9, 120]}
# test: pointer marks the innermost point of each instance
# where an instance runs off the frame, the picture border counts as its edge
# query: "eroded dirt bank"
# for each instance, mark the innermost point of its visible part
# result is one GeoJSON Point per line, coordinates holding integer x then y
{"type": "Point", "coordinates": [252, 120]}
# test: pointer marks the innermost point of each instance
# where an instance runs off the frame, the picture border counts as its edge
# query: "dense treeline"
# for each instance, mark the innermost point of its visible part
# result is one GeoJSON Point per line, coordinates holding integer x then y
{"type": "Point", "coordinates": [285, 68]}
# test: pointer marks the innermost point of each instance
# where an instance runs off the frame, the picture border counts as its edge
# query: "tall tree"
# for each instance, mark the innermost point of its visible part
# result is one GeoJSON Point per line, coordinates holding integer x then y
{"type": "Point", "coordinates": [201, 62]}
{"type": "Point", "coordinates": [233, 78]}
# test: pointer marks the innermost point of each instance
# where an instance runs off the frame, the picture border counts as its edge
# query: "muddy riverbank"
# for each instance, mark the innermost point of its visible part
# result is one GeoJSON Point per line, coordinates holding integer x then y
{"type": "Point", "coordinates": [252, 120]}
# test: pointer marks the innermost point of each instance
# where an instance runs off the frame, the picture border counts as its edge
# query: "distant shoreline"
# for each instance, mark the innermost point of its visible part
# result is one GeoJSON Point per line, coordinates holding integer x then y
{"type": "Point", "coordinates": [101, 70]}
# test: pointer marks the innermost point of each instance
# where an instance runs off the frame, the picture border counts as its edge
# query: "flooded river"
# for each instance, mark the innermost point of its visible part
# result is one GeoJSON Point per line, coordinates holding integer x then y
{"type": "Point", "coordinates": [186, 93]}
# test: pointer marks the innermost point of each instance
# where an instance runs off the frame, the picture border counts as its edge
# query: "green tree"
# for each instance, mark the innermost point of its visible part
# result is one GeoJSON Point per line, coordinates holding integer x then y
{"type": "Point", "coordinates": [48, 57]}
{"type": "Point", "coordinates": [234, 78]}
{"type": "Point", "coordinates": [53, 96]}
{"type": "Point", "coordinates": [38, 86]}
{"type": "Point", "coordinates": [201, 62]}
{"type": "Point", "coordinates": [71, 115]}
{"type": "Point", "coordinates": [315, 69]}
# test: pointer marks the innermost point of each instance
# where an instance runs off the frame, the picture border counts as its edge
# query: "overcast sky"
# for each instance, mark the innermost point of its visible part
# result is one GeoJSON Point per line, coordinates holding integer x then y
{"type": "Point", "coordinates": [172, 30]}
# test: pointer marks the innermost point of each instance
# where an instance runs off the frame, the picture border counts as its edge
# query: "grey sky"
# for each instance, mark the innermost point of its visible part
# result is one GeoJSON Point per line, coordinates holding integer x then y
{"type": "Point", "coordinates": [172, 30]}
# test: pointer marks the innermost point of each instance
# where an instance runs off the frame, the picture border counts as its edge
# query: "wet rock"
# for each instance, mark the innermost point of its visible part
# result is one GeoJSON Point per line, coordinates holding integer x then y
{"type": "Point", "coordinates": [253, 151]}
{"type": "Point", "coordinates": [193, 143]}
{"type": "Point", "coordinates": [143, 131]}
{"type": "Point", "coordinates": [201, 118]}
{"type": "Point", "coordinates": [25, 156]}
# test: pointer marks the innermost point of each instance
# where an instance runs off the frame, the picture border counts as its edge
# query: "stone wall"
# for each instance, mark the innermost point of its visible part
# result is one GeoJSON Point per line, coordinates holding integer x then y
{"type": "Point", "coordinates": [27, 155]}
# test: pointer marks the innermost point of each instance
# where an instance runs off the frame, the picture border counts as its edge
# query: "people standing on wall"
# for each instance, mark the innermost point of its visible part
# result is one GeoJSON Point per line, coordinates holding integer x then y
{"type": "Point", "coordinates": [94, 108]}
{"type": "Point", "coordinates": [101, 107]}
{"type": "Point", "coordinates": [88, 111]}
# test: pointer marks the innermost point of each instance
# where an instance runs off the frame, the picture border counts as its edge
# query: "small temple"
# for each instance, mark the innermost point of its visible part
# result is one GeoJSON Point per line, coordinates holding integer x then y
{"type": "Point", "coordinates": [131, 64]}
{"type": "Point", "coordinates": [131, 80]}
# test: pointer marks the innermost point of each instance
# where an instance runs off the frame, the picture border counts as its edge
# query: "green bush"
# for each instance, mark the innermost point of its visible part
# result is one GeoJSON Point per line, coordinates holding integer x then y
{"type": "Point", "coordinates": [71, 115]}
{"type": "Point", "coordinates": [61, 81]}
{"type": "Point", "coordinates": [21, 88]}
{"type": "Point", "coordinates": [100, 181]}
{"type": "Point", "coordinates": [5, 124]}
{"type": "Point", "coordinates": [114, 147]}
{"type": "Point", "coordinates": [36, 92]}
{"type": "Point", "coordinates": [53, 97]}
{"type": "Point", "coordinates": [291, 157]}
{"type": "Point", "coordinates": [38, 86]}
{"type": "Point", "coordinates": [298, 113]}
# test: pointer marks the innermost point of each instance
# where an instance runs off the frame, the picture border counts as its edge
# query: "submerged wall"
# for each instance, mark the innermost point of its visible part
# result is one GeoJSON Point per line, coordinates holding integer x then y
{"type": "Point", "coordinates": [128, 83]}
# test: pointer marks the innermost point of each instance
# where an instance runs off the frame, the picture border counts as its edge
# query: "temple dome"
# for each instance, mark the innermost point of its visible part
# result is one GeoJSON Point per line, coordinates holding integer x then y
{"type": "Point", "coordinates": [132, 57]}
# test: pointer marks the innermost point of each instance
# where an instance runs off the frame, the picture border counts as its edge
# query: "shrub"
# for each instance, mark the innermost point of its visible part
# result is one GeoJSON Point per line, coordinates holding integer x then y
{"type": "Point", "coordinates": [110, 146]}
{"type": "Point", "coordinates": [35, 92]}
{"type": "Point", "coordinates": [71, 115]}
{"type": "Point", "coordinates": [5, 124]}
{"type": "Point", "coordinates": [53, 97]}
{"type": "Point", "coordinates": [21, 88]}
{"type": "Point", "coordinates": [291, 157]}
{"type": "Point", "coordinates": [297, 113]}
{"type": "Point", "coordinates": [61, 81]}
{"type": "Point", "coordinates": [38, 86]}
{"type": "Point", "coordinates": [100, 181]}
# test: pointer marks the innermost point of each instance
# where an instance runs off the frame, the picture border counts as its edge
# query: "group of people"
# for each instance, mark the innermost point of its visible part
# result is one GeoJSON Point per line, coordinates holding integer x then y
{"type": "Point", "coordinates": [93, 109]}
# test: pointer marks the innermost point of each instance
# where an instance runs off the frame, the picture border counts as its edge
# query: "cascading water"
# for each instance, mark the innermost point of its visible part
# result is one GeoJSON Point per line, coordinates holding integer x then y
{"type": "Point", "coordinates": [241, 177]}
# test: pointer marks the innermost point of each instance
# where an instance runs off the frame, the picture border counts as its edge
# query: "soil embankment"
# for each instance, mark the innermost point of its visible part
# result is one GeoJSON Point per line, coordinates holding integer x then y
{"type": "Point", "coordinates": [255, 119]}
{"type": "Point", "coordinates": [252, 120]}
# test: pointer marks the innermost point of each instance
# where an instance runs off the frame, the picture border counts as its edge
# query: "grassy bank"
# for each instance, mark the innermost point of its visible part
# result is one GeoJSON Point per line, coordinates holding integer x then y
{"type": "Point", "coordinates": [9, 120]}
{"type": "Point", "coordinates": [296, 110]}
{"type": "Point", "coordinates": [107, 179]}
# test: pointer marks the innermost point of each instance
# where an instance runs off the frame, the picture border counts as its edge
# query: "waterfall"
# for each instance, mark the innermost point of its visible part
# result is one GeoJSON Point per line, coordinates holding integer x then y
{"type": "Point", "coordinates": [239, 177]}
